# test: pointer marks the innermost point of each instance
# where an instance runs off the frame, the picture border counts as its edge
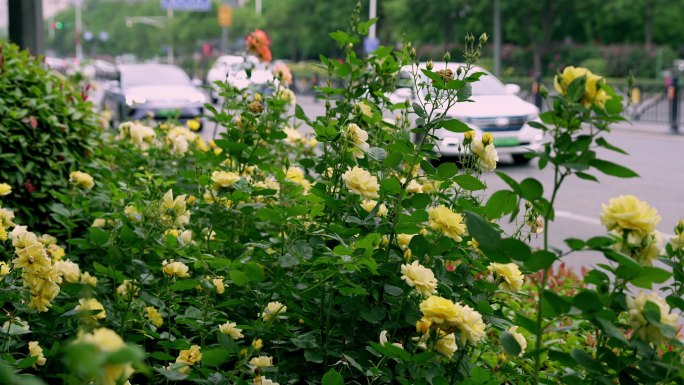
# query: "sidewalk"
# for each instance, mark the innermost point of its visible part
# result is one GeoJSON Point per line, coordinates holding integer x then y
{"type": "Point", "coordinates": [648, 128]}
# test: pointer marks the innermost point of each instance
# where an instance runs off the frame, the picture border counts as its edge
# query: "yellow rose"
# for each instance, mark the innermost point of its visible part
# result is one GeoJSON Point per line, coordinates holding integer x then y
{"type": "Point", "coordinates": [87, 279]}
{"type": "Point", "coordinates": [219, 286]}
{"type": "Point", "coordinates": [175, 269]}
{"type": "Point", "coordinates": [361, 182]}
{"type": "Point", "coordinates": [128, 289]}
{"type": "Point", "coordinates": [257, 344]}
{"type": "Point", "coordinates": [194, 124]}
{"type": "Point", "coordinates": [230, 329]}
{"type": "Point", "coordinates": [36, 351]}
{"type": "Point", "coordinates": [470, 324]}
{"type": "Point", "coordinates": [420, 277]}
{"type": "Point", "coordinates": [92, 304]}
{"type": "Point", "coordinates": [628, 213]}
{"type": "Point", "coordinates": [368, 205]}
{"type": "Point", "coordinates": [69, 270]}
{"type": "Point", "coordinates": [677, 242]}
{"type": "Point", "coordinates": [296, 175]}
{"type": "Point", "coordinates": [439, 311]}
{"type": "Point", "coordinates": [359, 138]}
{"type": "Point", "coordinates": [273, 309]}
{"type": "Point", "coordinates": [293, 136]}
{"type": "Point", "coordinates": [447, 221]}
{"type": "Point", "coordinates": [190, 356]}
{"type": "Point", "coordinates": [82, 179]}
{"type": "Point", "coordinates": [593, 94]}
{"type": "Point", "coordinates": [154, 316]}
{"type": "Point", "coordinates": [5, 189]}
{"type": "Point", "coordinates": [446, 344]}
{"type": "Point", "coordinates": [261, 362]}
{"type": "Point", "coordinates": [519, 338]}
{"type": "Point", "coordinates": [173, 211]}
{"type": "Point", "coordinates": [224, 179]}
{"type": "Point", "coordinates": [4, 269]}
{"type": "Point", "coordinates": [513, 279]}
{"type": "Point", "coordinates": [645, 330]}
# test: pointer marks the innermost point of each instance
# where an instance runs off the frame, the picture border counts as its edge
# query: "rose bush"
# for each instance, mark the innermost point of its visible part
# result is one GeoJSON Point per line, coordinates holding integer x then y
{"type": "Point", "coordinates": [348, 256]}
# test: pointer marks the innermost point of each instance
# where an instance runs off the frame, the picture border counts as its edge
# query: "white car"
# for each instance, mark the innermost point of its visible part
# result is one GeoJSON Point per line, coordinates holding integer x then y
{"type": "Point", "coordinates": [232, 69]}
{"type": "Point", "coordinates": [495, 109]}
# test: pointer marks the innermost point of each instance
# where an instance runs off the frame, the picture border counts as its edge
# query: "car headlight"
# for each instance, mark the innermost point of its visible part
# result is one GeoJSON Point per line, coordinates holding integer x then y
{"type": "Point", "coordinates": [132, 100]}
{"type": "Point", "coordinates": [532, 116]}
{"type": "Point", "coordinates": [197, 98]}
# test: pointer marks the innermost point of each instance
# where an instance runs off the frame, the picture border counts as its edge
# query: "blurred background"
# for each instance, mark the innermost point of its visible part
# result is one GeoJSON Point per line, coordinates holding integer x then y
{"type": "Point", "coordinates": [615, 38]}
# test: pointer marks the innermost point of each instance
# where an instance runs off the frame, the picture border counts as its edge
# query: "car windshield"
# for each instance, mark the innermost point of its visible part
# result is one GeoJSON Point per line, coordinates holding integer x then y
{"type": "Point", "coordinates": [154, 76]}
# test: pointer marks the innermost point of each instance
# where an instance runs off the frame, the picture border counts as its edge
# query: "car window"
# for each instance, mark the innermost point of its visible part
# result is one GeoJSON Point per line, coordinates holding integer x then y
{"type": "Point", "coordinates": [488, 85]}
{"type": "Point", "coordinates": [154, 76]}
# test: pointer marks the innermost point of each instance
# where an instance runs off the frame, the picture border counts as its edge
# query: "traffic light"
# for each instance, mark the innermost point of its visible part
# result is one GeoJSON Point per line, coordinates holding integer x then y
{"type": "Point", "coordinates": [57, 25]}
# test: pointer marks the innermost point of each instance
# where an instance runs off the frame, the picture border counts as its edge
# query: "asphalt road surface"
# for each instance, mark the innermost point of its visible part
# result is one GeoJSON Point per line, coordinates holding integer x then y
{"type": "Point", "coordinates": [656, 155]}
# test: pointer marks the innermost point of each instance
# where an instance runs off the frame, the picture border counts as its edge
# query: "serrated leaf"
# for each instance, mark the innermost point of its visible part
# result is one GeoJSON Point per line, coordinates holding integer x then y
{"type": "Point", "coordinates": [454, 125]}
{"type": "Point", "coordinates": [469, 182]}
{"type": "Point", "coordinates": [510, 344]}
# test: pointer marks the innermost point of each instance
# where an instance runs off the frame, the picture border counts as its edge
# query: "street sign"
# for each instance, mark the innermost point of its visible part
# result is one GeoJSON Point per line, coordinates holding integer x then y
{"type": "Point", "coordinates": [225, 15]}
{"type": "Point", "coordinates": [187, 5]}
{"type": "Point", "coordinates": [370, 44]}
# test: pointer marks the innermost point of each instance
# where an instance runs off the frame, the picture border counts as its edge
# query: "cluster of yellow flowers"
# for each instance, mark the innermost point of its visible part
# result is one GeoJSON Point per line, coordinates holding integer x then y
{"type": "Point", "coordinates": [594, 94]}
{"type": "Point", "coordinates": [446, 317]}
{"type": "Point", "coordinates": [178, 138]}
{"type": "Point", "coordinates": [483, 149]}
{"type": "Point", "coordinates": [634, 222]}
{"type": "Point", "coordinates": [137, 134]}
{"type": "Point", "coordinates": [38, 272]}
{"type": "Point", "coordinates": [107, 341]}
{"type": "Point", "coordinates": [677, 242]}
{"type": "Point", "coordinates": [189, 357]}
{"type": "Point", "coordinates": [294, 138]}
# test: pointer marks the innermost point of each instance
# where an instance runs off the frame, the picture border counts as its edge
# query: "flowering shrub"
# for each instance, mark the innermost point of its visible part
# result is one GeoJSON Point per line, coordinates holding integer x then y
{"type": "Point", "coordinates": [48, 130]}
{"type": "Point", "coordinates": [267, 256]}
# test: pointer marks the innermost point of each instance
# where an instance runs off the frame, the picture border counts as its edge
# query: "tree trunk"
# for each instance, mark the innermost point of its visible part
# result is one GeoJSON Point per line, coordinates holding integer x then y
{"type": "Point", "coordinates": [648, 32]}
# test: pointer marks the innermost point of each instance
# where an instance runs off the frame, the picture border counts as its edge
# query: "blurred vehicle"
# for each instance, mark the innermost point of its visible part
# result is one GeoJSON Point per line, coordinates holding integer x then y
{"type": "Point", "coordinates": [161, 91]}
{"type": "Point", "coordinates": [234, 69]}
{"type": "Point", "coordinates": [495, 109]}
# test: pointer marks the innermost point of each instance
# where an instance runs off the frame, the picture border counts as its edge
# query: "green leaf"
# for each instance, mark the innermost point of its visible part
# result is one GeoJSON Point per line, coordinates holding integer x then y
{"type": "Point", "coordinates": [585, 360]}
{"type": "Point", "coordinates": [500, 203]}
{"type": "Point", "coordinates": [648, 275]}
{"type": "Point", "coordinates": [392, 351]}
{"type": "Point", "coordinates": [214, 357]}
{"type": "Point", "coordinates": [454, 125]}
{"type": "Point", "coordinates": [332, 377]}
{"type": "Point", "coordinates": [239, 278]}
{"type": "Point", "coordinates": [531, 189]}
{"type": "Point", "coordinates": [254, 272]}
{"type": "Point", "coordinates": [483, 232]}
{"type": "Point", "coordinates": [377, 153]}
{"type": "Point", "coordinates": [305, 341]}
{"type": "Point", "coordinates": [447, 170]}
{"type": "Point", "coordinates": [186, 284]}
{"type": "Point", "coordinates": [587, 301]}
{"type": "Point", "coordinates": [27, 362]}
{"type": "Point", "coordinates": [469, 182]}
{"type": "Point", "coordinates": [604, 143]}
{"type": "Point", "coordinates": [575, 244]}
{"type": "Point", "coordinates": [526, 323]}
{"type": "Point", "coordinates": [540, 260]}
{"type": "Point", "coordinates": [562, 357]}
{"type": "Point", "coordinates": [510, 344]}
{"type": "Point", "coordinates": [98, 236]}
{"type": "Point", "coordinates": [612, 330]}
{"type": "Point", "coordinates": [299, 113]}
{"type": "Point", "coordinates": [613, 169]}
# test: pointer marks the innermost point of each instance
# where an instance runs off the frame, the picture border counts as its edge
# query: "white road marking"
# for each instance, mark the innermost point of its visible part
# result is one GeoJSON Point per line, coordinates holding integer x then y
{"type": "Point", "coordinates": [591, 220]}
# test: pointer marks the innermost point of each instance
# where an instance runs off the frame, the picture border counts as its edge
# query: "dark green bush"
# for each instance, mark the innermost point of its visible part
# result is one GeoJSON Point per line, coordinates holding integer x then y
{"type": "Point", "coordinates": [46, 130]}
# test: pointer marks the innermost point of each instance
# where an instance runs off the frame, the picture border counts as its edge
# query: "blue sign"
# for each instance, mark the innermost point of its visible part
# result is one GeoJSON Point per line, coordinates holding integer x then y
{"type": "Point", "coordinates": [370, 44]}
{"type": "Point", "coordinates": [187, 5]}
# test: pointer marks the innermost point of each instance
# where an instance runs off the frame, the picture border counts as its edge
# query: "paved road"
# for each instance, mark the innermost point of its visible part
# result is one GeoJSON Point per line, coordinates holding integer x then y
{"type": "Point", "coordinates": [656, 155]}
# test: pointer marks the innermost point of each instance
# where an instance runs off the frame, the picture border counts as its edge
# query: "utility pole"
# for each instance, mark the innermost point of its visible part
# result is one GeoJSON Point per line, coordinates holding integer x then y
{"type": "Point", "coordinates": [26, 25]}
{"type": "Point", "coordinates": [497, 38]}
{"type": "Point", "coordinates": [258, 7]}
{"type": "Point", "coordinates": [78, 4]}
{"type": "Point", "coordinates": [372, 12]}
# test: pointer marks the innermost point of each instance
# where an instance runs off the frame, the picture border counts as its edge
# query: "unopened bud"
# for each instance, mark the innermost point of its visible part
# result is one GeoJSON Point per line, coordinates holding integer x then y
{"type": "Point", "coordinates": [487, 138]}
{"type": "Point", "coordinates": [468, 136]}
{"type": "Point", "coordinates": [543, 91]}
{"type": "Point", "coordinates": [447, 56]}
{"type": "Point", "coordinates": [429, 65]}
{"type": "Point", "coordinates": [483, 38]}
{"type": "Point", "coordinates": [679, 229]}
{"type": "Point", "coordinates": [459, 71]}
{"type": "Point", "coordinates": [412, 52]}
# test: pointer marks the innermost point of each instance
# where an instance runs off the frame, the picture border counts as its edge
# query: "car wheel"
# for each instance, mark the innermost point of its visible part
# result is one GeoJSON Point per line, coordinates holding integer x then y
{"type": "Point", "coordinates": [520, 159]}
